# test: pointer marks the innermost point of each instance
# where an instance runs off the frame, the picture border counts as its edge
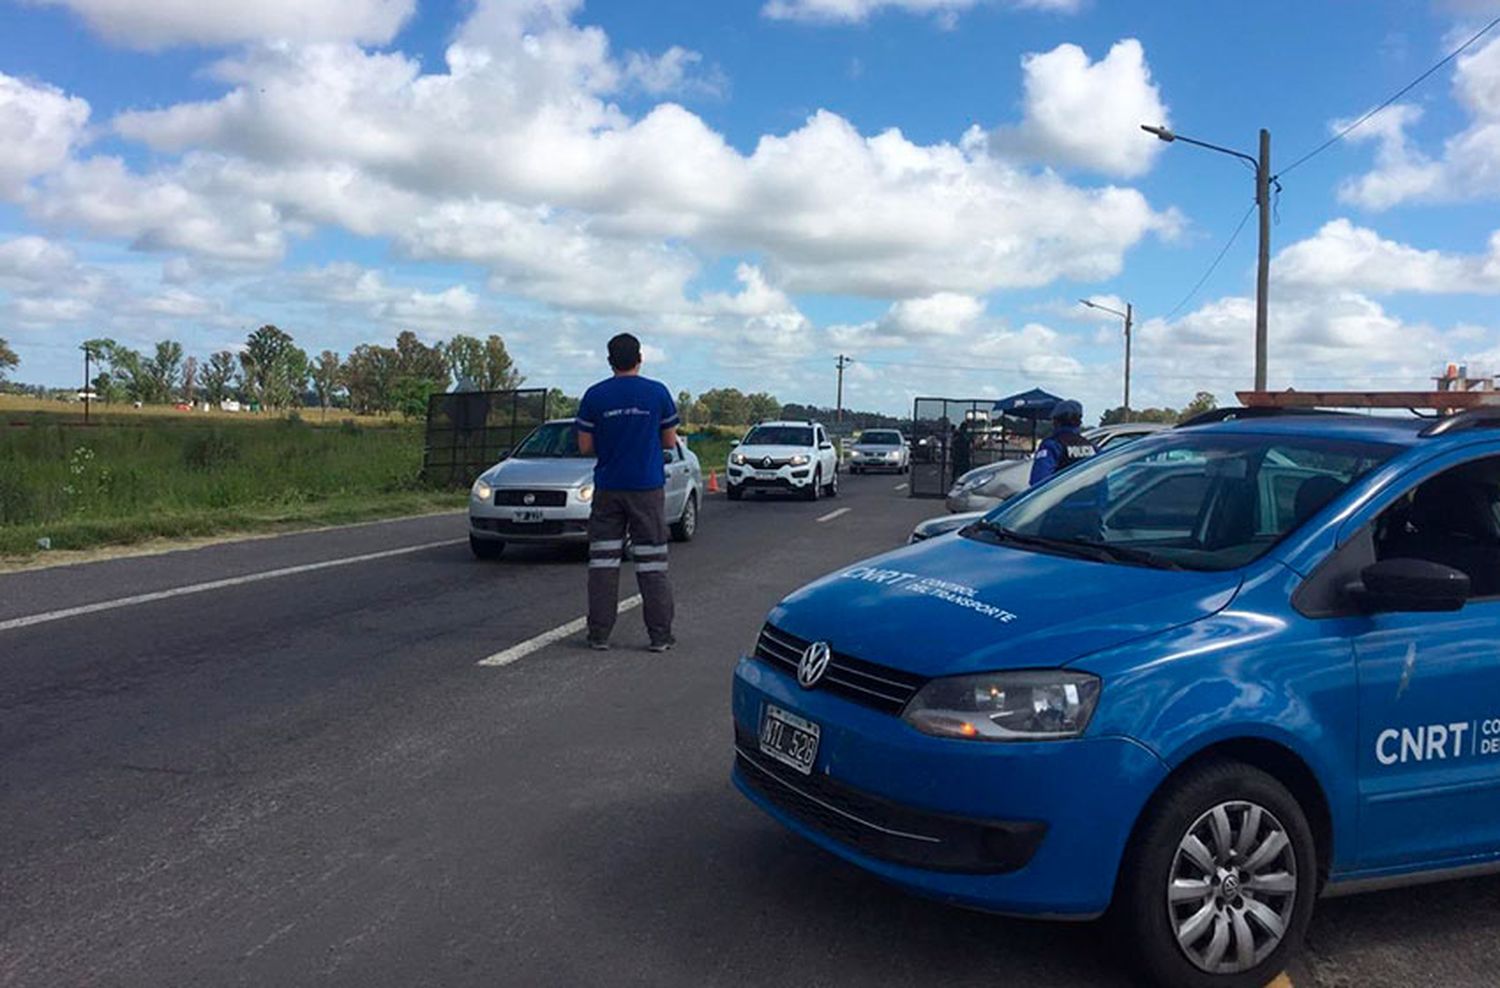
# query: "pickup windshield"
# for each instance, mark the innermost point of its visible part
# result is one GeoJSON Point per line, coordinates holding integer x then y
{"type": "Point", "coordinates": [1191, 501]}
{"type": "Point", "coordinates": [779, 435]}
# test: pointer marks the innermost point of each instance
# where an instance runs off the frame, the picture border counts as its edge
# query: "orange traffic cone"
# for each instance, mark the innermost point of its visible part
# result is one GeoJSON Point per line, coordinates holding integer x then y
{"type": "Point", "coordinates": [713, 481]}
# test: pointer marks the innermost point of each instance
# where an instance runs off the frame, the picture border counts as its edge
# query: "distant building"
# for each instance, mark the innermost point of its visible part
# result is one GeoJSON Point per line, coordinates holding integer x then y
{"type": "Point", "coordinates": [229, 405]}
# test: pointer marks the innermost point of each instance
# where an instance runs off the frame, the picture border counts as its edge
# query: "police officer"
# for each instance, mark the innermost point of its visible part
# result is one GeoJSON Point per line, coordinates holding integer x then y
{"type": "Point", "coordinates": [1065, 446]}
{"type": "Point", "coordinates": [626, 421]}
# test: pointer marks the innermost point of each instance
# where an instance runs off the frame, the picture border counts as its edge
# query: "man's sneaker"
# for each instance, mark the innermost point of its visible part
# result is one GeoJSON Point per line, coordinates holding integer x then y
{"type": "Point", "coordinates": [661, 644]}
{"type": "Point", "coordinates": [599, 644]}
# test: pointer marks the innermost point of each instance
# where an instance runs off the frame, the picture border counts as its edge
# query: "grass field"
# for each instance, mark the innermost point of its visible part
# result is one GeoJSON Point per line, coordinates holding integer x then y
{"type": "Point", "coordinates": [140, 474]}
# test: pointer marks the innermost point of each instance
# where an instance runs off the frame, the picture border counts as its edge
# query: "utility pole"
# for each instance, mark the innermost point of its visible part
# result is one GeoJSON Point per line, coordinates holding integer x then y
{"type": "Point", "coordinates": [1263, 182]}
{"type": "Point", "coordinates": [1129, 316]}
{"type": "Point", "coordinates": [87, 353]}
{"type": "Point", "coordinates": [843, 362]}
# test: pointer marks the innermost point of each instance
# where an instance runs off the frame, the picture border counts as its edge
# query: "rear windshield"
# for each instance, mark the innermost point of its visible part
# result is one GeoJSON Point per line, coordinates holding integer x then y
{"type": "Point", "coordinates": [555, 439]}
{"type": "Point", "coordinates": [779, 435]}
{"type": "Point", "coordinates": [1200, 500]}
{"type": "Point", "coordinates": [877, 438]}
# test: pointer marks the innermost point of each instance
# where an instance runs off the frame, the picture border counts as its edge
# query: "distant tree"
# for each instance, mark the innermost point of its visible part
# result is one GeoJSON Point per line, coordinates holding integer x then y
{"type": "Point", "coordinates": [685, 405]}
{"type": "Point", "coordinates": [327, 378]}
{"type": "Point", "coordinates": [726, 406]}
{"type": "Point", "coordinates": [418, 361]}
{"type": "Point", "coordinates": [8, 358]}
{"type": "Point", "coordinates": [162, 372]}
{"type": "Point", "coordinates": [762, 407]}
{"type": "Point", "coordinates": [129, 371]}
{"type": "Point", "coordinates": [1202, 402]}
{"type": "Point", "coordinates": [1115, 416]}
{"type": "Point", "coordinates": [560, 405]}
{"type": "Point", "coordinates": [409, 396]}
{"type": "Point", "coordinates": [217, 375]}
{"type": "Point", "coordinates": [369, 375]}
{"type": "Point", "coordinates": [264, 366]}
{"type": "Point", "coordinates": [189, 389]}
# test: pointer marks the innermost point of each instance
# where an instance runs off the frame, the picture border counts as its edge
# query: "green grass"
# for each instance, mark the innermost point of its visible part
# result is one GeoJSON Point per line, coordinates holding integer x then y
{"type": "Point", "coordinates": [712, 449]}
{"type": "Point", "coordinates": [133, 479]}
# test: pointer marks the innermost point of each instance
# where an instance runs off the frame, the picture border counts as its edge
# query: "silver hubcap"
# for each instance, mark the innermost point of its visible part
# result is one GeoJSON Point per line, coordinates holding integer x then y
{"type": "Point", "coordinates": [1232, 888]}
{"type": "Point", "coordinates": [690, 516]}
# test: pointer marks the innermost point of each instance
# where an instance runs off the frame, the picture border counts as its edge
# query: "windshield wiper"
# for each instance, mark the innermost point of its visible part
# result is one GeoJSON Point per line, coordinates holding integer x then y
{"type": "Point", "coordinates": [1098, 551]}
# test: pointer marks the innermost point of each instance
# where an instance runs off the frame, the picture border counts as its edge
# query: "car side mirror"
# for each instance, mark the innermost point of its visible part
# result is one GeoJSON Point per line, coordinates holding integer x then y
{"type": "Point", "coordinates": [826, 446]}
{"type": "Point", "coordinates": [1410, 585]}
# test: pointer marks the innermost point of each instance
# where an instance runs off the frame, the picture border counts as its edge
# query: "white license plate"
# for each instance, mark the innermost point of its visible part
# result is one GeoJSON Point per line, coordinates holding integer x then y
{"type": "Point", "coordinates": [788, 738]}
{"type": "Point", "coordinates": [529, 515]}
{"type": "Point", "coordinates": [766, 474]}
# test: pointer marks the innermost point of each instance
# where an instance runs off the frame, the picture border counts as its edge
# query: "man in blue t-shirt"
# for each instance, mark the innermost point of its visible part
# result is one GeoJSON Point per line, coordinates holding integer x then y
{"type": "Point", "coordinates": [625, 422]}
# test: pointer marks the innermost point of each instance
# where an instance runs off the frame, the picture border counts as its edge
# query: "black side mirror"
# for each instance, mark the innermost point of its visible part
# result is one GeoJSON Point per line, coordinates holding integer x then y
{"type": "Point", "coordinates": [826, 446]}
{"type": "Point", "coordinates": [1404, 585]}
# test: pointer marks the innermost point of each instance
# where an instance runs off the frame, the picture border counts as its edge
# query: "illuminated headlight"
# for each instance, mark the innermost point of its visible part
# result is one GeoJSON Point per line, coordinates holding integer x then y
{"type": "Point", "coordinates": [1034, 705]}
{"type": "Point", "coordinates": [586, 492]}
{"type": "Point", "coordinates": [799, 460]}
{"type": "Point", "coordinates": [738, 459]}
{"type": "Point", "coordinates": [481, 491]}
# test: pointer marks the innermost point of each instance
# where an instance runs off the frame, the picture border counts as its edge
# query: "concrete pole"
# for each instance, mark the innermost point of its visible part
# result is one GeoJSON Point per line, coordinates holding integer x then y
{"type": "Point", "coordinates": [1263, 268]}
{"type": "Point", "coordinates": [1129, 318]}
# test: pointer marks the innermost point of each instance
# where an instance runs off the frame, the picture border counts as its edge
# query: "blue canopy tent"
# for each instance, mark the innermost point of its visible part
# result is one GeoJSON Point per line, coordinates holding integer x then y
{"type": "Point", "coordinates": [1035, 405]}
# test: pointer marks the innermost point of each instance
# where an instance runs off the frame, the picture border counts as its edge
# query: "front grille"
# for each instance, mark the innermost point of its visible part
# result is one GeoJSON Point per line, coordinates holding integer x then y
{"type": "Point", "coordinates": [516, 497]}
{"type": "Point", "coordinates": [866, 683]}
{"type": "Point", "coordinates": [887, 830]}
{"type": "Point", "coordinates": [765, 462]}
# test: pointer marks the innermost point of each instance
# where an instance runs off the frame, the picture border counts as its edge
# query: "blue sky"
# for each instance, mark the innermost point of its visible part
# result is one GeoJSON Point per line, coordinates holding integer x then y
{"type": "Point", "coordinates": [754, 187]}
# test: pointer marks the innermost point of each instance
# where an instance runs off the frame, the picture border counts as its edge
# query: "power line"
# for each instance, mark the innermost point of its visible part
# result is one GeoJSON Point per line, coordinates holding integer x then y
{"type": "Point", "coordinates": [1397, 95]}
{"type": "Point", "coordinates": [1211, 268]}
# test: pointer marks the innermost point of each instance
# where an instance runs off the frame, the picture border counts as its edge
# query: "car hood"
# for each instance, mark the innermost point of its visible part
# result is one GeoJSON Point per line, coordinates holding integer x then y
{"type": "Point", "coordinates": [542, 471]}
{"type": "Point", "coordinates": [774, 452]}
{"type": "Point", "coordinates": [957, 605]}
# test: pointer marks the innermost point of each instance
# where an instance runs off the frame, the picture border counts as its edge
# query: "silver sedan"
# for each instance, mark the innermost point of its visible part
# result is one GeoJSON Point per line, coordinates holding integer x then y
{"type": "Point", "coordinates": [543, 491]}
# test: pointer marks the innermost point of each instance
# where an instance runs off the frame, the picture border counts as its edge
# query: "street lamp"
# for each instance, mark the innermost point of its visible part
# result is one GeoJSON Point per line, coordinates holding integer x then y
{"type": "Point", "coordinates": [1263, 180]}
{"type": "Point", "coordinates": [1128, 315]}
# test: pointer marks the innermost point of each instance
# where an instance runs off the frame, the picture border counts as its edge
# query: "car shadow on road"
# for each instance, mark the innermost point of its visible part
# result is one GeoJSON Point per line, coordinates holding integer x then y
{"type": "Point", "coordinates": [719, 894]}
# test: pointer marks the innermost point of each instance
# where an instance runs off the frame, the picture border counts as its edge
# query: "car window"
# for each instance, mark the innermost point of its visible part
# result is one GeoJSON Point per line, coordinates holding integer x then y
{"type": "Point", "coordinates": [555, 439]}
{"type": "Point", "coordinates": [1452, 519]}
{"type": "Point", "coordinates": [880, 438]}
{"type": "Point", "coordinates": [779, 435]}
{"type": "Point", "coordinates": [1208, 501]}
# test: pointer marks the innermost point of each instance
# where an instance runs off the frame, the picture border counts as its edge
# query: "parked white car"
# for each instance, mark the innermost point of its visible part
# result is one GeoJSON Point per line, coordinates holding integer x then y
{"type": "Point", "coordinates": [795, 457]}
{"type": "Point", "coordinates": [880, 449]}
{"type": "Point", "coordinates": [543, 491]}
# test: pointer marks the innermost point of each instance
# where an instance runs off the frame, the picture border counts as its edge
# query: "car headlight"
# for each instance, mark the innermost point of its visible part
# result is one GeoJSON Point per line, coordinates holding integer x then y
{"type": "Point", "coordinates": [586, 493]}
{"type": "Point", "coordinates": [481, 491]}
{"type": "Point", "coordinates": [738, 459]}
{"type": "Point", "coordinates": [1032, 705]}
{"type": "Point", "coordinates": [799, 460]}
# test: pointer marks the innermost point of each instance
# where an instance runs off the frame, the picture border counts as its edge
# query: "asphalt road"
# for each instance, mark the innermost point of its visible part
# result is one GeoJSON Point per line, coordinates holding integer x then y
{"type": "Point", "coordinates": [307, 779]}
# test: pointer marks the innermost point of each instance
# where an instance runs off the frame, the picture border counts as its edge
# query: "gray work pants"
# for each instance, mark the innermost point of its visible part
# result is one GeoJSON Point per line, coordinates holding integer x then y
{"type": "Point", "coordinates": [641, 515]}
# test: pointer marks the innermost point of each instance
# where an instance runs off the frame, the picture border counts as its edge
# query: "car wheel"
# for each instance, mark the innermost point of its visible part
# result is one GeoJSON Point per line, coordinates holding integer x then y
{"type": "Point", "coordinates": [814, 490]}
{"type": "Point", "coordinates": [485, 548]}
{"type": "Point", "coordinates": [832, 490]}
{"type": "Point", "coordinates": [1218, 884]}
{"type": "Point", "coordinates": [686, 527]}
{"type": "Point", "coordinates": [735, 491]}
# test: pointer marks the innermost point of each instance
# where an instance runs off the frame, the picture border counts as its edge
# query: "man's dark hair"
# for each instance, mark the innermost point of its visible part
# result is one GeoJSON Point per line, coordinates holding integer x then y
{"type": "Point", "coordinates": [624, 352]}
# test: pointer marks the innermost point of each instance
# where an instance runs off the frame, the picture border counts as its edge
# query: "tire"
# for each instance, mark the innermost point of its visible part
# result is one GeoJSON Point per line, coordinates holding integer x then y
{"type": "Point", "coordinates": [486, 548]}
{"type": "Point", "coordinates": [735, 492]}
{"type": "Point", "coordinates": [832, 490]}
{"type": "Point", "coordinates": [814, 490]}
{"type": "Point", "coordinates": [1281, 888]}
{"type": "Point", "coordinates": [684, 528]}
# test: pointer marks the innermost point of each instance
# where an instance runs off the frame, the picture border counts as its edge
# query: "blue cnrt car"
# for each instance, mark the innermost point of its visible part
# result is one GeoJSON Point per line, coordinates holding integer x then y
{"type": "Point", "coordinates": [1197, 683]}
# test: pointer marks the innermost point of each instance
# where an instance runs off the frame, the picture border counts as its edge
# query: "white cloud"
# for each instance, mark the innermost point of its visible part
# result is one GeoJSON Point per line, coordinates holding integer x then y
{"type": "Point", "coordinates": [1342, 255]}
{"type": "Point", "coordinates": [856, 11]}
{"type": "Point", "coordinates": [1087, 114]}
{"type": "Point", "coordinates": [1468, 166]}
{"type": "Point", "coordinates": [39, 126]}
{"type": "Point", "coordinates": [154, 24]}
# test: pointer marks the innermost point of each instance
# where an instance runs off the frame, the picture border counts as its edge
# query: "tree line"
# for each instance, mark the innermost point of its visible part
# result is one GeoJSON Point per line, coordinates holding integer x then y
{"type": "Point", "coordinates": [271, 372]}
{"type": "Point", "coordinates": [1202, 402]}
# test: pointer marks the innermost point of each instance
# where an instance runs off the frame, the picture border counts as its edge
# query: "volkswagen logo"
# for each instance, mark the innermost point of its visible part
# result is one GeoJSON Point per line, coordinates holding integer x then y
{"type": "Point", "coordinates": [813, 664]}
{"type": "Point", "coordinates": [528, 498]}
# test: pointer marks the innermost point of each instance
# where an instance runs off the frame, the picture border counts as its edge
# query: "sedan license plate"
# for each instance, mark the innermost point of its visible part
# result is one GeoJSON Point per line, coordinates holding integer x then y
{"type": "Point", "coordinates": [766, 474]}
{"type": "Point", "coordinates": [788, 738]}
{"type": "Point", "coordinates": [527, 515]}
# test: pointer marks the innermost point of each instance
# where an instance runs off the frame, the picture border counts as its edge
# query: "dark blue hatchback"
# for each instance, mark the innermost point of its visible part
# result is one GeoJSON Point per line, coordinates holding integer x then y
{"type": "Point", "coordinates": [1203, 680]}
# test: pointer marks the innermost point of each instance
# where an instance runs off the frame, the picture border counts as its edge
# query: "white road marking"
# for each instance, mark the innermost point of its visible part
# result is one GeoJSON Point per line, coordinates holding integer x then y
{"type": "Point", "coordinates": [834, 514]}
{"type": "Point", "coordinates": [900, 487]}
{"type": "Point", "coordinates": [233, 581]}
{"type": "Point", "coordinates": [516, 652]}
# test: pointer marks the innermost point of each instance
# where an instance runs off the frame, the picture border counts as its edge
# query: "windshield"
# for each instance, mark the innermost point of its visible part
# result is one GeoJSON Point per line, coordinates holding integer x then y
{"type": "Point", "coordinates": [779, 435]}
{"type": "Point", "coordinates": [878, 438]}
{"type": "Point", "coordinates": [1192, 501]}
{"type": "Point", "coordinates": [555, 439]}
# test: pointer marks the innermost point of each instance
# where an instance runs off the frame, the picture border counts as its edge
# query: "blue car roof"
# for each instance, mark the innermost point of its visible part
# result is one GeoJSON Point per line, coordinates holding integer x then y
{"type": "Point", "coordinates": [1363, 428]}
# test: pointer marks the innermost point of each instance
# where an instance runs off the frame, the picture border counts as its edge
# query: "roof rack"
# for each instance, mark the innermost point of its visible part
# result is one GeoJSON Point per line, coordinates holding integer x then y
{"type": "Point", "coordinates": [1475, 418]}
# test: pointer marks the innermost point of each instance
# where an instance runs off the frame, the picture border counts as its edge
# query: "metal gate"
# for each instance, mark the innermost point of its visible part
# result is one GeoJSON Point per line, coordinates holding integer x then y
{"type": "Point", "coordinates": [950, 436]}
{"type": "Point", "coordinates": [468, 431]}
